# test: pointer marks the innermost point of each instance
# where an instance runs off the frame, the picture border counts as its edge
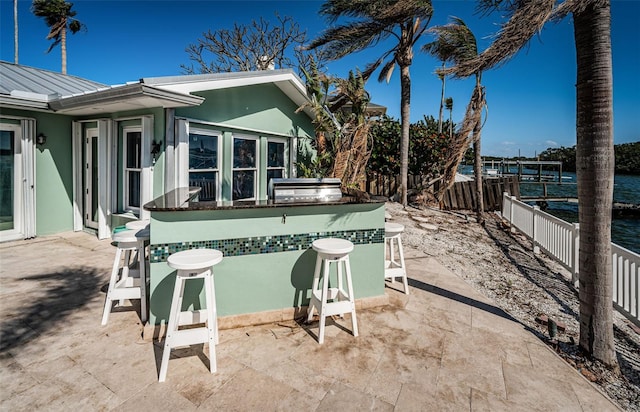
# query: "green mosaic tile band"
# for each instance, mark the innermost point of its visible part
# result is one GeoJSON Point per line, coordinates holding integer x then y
{"type": "Point", "coordinates": [265, 244]}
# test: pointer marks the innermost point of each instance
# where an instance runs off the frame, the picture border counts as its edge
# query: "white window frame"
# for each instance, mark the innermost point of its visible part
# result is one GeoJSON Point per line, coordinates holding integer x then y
{"type": "Point", "coordinates": [126, 170]}
{"type": "Point", "coordinates": [18, 210]}
{"type": "Point", "coordinates": [216, 170]}
{"type": "Point", "coordinates": [285, 166]}
{"type": "Point", "coordinates": [255, 168]}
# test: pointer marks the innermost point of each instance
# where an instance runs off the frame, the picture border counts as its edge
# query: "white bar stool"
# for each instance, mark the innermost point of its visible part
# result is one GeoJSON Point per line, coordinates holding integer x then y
{"type": "Point", "coordinates": [133, 282]}
{"type": "Point", "coordinates": [138, 224]}
{"type": "Point", "coordinates": [331, 250]}
{"type": "Point", "coordinates": [192, 264]}
{"type": "Point", "coordinates": [392, 240]}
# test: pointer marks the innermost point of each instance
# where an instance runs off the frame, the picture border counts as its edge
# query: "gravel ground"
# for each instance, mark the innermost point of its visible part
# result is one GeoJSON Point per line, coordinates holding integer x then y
{"type": "Point", "coordinates": [503, 267]}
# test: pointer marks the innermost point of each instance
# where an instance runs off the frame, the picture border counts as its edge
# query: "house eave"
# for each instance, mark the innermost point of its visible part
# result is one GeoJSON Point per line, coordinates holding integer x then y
{"type": "Point", "coordinates": [122, 98]}
{"type": "Point", "coordinates": [9, 102]}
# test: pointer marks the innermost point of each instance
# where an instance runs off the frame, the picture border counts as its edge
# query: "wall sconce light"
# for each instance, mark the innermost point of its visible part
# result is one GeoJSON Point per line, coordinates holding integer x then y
{"type": "Point", "coordinates": [41, 139]}
{"type": "Point", "coordinates": [155, 150]}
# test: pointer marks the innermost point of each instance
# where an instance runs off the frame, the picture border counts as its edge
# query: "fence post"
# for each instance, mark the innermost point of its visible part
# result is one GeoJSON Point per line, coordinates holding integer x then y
{"type": "Point", "coordinates": [504, 203]}
{"type": "Point", "coordinates": [512, 227]}
{"type": "Point", "coordinates": [576, 255]}
{"type": "Point", "coordinates": [534, 237]}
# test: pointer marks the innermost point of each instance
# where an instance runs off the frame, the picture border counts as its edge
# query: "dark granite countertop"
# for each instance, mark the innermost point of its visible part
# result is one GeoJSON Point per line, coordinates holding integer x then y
{"type": "Point", "coordinates": [185, 199]}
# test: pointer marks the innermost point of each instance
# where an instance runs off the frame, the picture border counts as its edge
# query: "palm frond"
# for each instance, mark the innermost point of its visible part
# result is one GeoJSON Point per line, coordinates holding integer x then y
{"type": "Point", "coordinates": [526, 20]}
{"type": "Point", "coordinates": [342, 40]}
{"type": "Point", "coordinates": [387, 71]}
{"type": "Point", "coordinates": [455, 42]}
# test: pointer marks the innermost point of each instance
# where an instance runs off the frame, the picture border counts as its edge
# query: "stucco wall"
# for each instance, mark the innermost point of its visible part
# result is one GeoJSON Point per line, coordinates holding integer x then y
{"type": "Point", "coordinates": [53, 172]}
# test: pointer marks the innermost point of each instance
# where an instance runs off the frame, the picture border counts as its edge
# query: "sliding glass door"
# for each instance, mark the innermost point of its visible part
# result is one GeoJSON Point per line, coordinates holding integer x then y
{"type": "Point", "coordinates": [10, 181]}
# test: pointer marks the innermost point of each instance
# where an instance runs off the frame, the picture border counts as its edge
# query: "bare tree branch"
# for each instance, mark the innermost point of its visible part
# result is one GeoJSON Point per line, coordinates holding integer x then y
{"type": "Point", "coordinates": [261, 45]}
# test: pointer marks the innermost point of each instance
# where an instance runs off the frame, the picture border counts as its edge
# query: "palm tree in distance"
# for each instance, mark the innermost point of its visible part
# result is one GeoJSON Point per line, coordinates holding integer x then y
{"type": "Point", "coordinates": [370, 22]}
{"type": "Point", "coordinates": [594, 143]}
{"type": "Point", "coordinates": [59, 18]}
{"type": "Point", "coordinates": [443, 50]}
{"type": "Point", "coordinates": [448, 104]}
{"type": "Point", "coordinates": [459, 45]}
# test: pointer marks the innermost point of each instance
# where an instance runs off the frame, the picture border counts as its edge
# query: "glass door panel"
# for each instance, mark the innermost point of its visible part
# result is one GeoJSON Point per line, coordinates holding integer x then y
{"type": "Point", "coordinates": [7, 179]}
{"type": "Point", "coordinates": [91, 179]}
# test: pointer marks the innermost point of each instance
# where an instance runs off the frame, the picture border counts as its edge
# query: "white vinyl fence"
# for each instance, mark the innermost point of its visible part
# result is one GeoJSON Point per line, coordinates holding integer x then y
{"type": "Point", "coordinates": [560, 240]}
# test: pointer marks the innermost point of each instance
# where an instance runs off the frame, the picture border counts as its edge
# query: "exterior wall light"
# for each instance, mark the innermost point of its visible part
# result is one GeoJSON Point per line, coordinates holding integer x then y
{"type": "Point", "coordinates": [41, 139]}
{"type": "Point", "coordinates": [155, 150]}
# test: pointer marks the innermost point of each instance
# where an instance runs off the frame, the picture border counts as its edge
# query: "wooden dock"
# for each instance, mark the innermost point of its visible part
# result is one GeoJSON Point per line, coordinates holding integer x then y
{"type": "Point", "coordinates": [544, 170]}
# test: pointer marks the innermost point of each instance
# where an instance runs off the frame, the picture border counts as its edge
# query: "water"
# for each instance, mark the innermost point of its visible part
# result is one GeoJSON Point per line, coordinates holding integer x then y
{"type": "Point", "coordinates": [624, 232]}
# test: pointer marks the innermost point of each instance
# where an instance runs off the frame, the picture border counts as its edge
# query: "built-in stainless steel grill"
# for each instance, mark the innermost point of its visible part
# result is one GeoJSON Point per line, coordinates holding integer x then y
{"type": "Point", "coordinates": [301, 190]}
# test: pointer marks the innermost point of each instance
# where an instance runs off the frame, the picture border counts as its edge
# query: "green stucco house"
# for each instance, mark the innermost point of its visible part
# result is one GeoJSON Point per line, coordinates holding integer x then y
{"type": "Point", "coordinates": [80, 155]}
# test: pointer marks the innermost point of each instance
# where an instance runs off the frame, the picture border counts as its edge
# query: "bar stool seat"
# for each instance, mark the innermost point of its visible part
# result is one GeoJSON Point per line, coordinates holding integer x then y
{"type": "Point", "coordinates": [138, 224]}
{"type": "Point", "coordinates": [393, 240]}
{"type": "Point", "coordinates": [192, 264]}
{"type": "Point", "coordinates": [132, 283]}
{"type": "Point", "coordinates": [335, 300]}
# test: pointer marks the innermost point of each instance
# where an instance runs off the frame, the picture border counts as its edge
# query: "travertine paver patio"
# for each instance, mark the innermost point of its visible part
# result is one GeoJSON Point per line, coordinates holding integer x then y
{"type": "Point", "coordinates": [444, 347]}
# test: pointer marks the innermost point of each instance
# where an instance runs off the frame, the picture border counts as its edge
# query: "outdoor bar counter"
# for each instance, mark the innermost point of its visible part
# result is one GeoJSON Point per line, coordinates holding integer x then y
{"type": "Point", "coordinates": [267, 269]}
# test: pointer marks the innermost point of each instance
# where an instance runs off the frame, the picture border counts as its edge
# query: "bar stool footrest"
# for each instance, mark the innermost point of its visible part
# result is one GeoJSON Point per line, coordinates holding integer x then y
{"type": "Point", "coordinates": [394, 272]}
{"type": "Point", "coordinates": [186, 337]}
{"type": "Point", "coordinates": [191, 317]}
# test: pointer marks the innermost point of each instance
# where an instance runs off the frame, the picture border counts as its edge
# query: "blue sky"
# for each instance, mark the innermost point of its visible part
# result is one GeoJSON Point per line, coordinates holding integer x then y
{"type": "Point", "coordinates": [531, 99]}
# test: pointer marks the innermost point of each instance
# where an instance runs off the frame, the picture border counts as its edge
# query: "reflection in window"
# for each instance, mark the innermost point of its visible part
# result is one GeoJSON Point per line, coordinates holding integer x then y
{"type": "Point", "coordinates": [244, 153]}
{"type": "Point", "coordinates": [243, 184]}
{"type": "Point", "coordinates": [132, 170]}
{"type": "Point", "coordinates": [7, 179]}
{"type": "Point", "coordinates": [203, 164]}
{"type": "Point", "coordinates": [275, 160]}
{"type": "Point", "coordinates": [244, 168]}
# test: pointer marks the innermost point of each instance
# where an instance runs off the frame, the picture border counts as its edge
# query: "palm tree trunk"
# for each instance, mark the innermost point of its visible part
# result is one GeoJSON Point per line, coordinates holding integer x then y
{"type": "Point", "coordinates": [441, 102]}
{"type": "Point", "coordinates": [405, 99]}
{"type": "Point", "coordinates": [477, 164]}
{"type": "Point", "coordinates": [595, 166]}
{"type": "Point", "coordinates": [321, 143]}
{"type": "Point", "coordinates": [63, 48]}
{"type": "Point", "coordinates": [477, 170]}
{"type": "Point", "coordinates": [15, 30]}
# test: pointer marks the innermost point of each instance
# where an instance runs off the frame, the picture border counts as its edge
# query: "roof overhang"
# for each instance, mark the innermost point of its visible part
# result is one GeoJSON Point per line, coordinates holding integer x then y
{"type": "Point", "coordinates": [12, 102]}
{"type": "Point", "coordinates": [126, 97]}
{"type": "Point", "coordinates": [284, 79]}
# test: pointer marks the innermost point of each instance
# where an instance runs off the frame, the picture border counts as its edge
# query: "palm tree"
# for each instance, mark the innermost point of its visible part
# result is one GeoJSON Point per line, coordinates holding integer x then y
{"type": "Point", "coordinates": [318, 85]}
{"type": "Point", "coordinates": [444, 51]}
{"type": "Point", "coordinates": [594, 144]}
{"type": "Point", "coordinates": [458, 44]}
{"type": "Point", "coordinates": [370, 22]}
{"type": "Point", "coordinates": [448, 104]}
{"type": "Point", "coordinates": [59, 18]}
{"type": "Point", "coordinates": [342, 142]}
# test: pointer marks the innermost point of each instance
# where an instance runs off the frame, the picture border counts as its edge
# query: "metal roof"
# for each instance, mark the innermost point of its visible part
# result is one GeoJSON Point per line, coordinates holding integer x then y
{"type": "Point", "coordinates": [18, 78]}
{"type": "Point", "coordinates": [27, 88]}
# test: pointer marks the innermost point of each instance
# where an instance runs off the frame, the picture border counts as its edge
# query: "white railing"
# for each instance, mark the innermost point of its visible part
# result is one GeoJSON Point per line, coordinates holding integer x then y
{"type": "Point", "coordinates": [560, 240]}
{"type": "Point", "coordinates": [626, 279]}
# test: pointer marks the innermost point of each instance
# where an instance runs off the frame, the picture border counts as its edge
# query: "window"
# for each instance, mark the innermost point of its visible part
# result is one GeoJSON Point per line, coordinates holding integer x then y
{"type": "Point", "coordinates": [244, 168]}
{"type": "Point", "coordinates": [203, 164]}
{"type": "Point", "coordinates": [276, 166]}
{"type": "Point", "coordinates": [132, 168]}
